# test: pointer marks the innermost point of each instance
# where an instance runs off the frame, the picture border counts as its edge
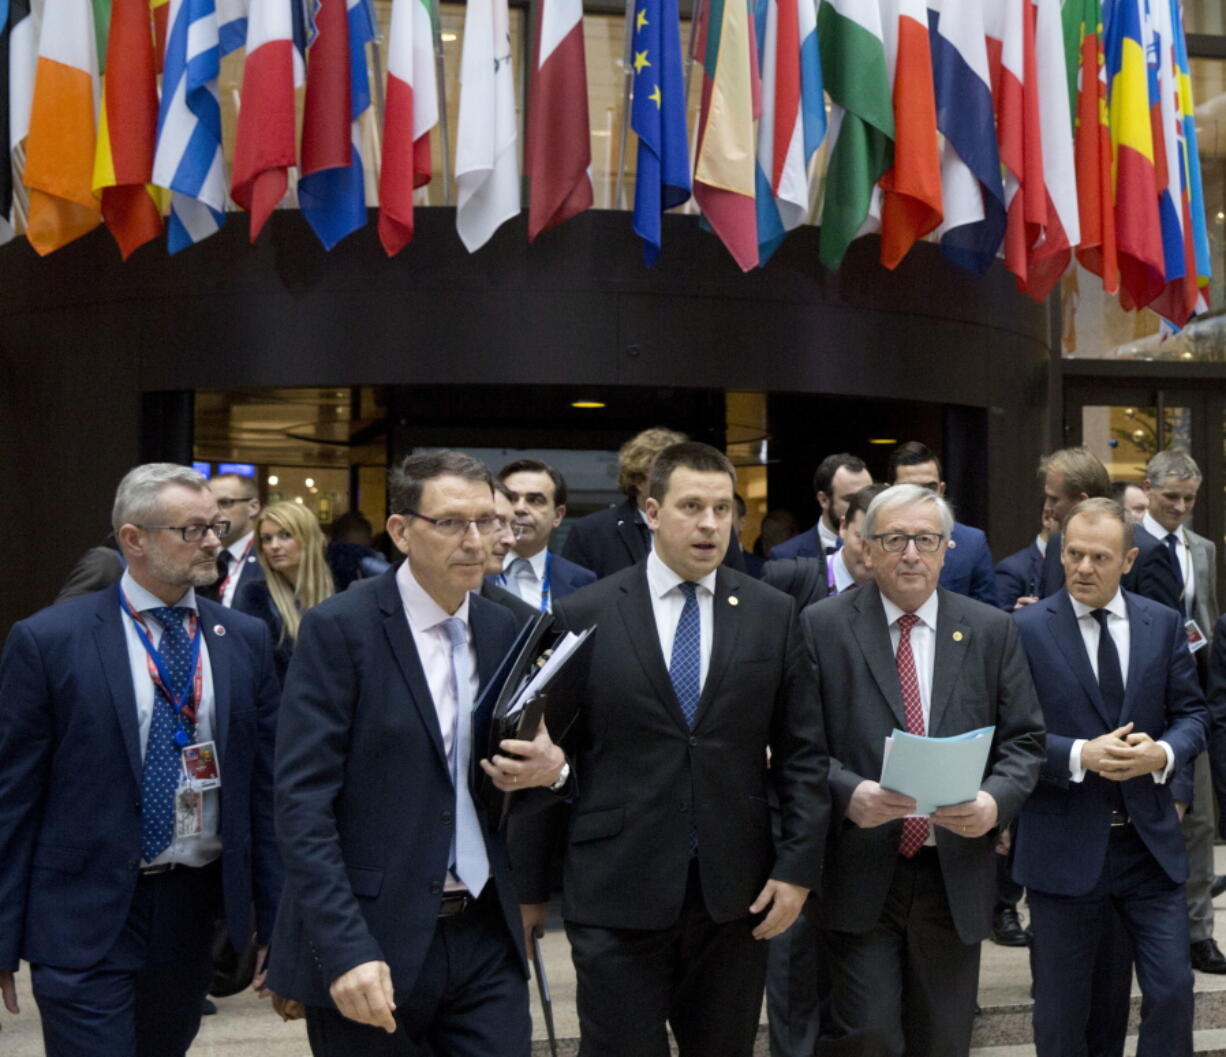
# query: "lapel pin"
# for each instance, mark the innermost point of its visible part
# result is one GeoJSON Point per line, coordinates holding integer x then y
{"type": "Point", "coordinates": [957, 636]}
{"type": "Point", "coordinates": [219, 630]}
{"type": "Point", "coordinates": [733, 600]}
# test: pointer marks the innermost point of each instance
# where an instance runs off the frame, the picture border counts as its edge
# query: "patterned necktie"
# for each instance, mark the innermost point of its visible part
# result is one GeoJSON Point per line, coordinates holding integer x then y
{"type": "Point", "coordinates": [160, 776]}
{"type": "Point", "coordinates": [469, 860]}
{"type": "Point", "coordinates": [1110, 675]}
{"type": "Point", "coordinates": [685, 666]}
{"type": "Point", "coordinates": [914, 830]}
{"type": "Point", "coordinates": [1172, 546]}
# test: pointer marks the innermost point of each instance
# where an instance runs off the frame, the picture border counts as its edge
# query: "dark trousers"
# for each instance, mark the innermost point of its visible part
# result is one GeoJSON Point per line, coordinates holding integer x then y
{"type": "Point", "coordinates": [797, 986]}
{"type": "Point", "coordinates": [906, 986]}
{"type": "Point", "coordinates": [703, 978]}
{"type": "Point", "coordinates": [1067, 936]}
{"type": "Point", "coordinates": [143, 999]}
{"type": "Point", "coordinates": [470, 1000]}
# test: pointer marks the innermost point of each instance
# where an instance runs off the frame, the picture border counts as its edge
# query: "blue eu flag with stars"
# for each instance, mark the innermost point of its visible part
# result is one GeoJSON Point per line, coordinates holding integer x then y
{"type": "Point", "coordinates": [658, 119]}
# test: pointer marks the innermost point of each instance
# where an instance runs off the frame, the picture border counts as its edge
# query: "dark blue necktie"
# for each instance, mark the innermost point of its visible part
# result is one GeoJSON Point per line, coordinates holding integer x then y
{"type": "Point", "coordinates": [160, 776]}
{"type": "Point", "coordinates": [685, 666]}
{"type": "Point", "coordinates": [1110, 677]}
{"type": "Point", "coordinates": [1172, 546]}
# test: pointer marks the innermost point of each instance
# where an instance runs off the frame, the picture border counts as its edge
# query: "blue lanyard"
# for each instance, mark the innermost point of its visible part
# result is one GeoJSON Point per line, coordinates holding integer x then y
{"type": "Point", "coordinates": [181, 700]}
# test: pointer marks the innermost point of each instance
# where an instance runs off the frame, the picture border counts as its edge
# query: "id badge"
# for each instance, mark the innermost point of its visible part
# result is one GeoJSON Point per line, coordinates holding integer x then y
{"type": "Point", "coordinates": [1196, 637]}
{"type": "Point", "coordinates": [200, 766]}
{"type": "Point", "coordinates": [189, 812]}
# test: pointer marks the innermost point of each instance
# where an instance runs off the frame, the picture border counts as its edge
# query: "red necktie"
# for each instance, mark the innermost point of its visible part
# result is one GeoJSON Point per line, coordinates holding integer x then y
{"type": "Point", "coordinates": [914, 830]}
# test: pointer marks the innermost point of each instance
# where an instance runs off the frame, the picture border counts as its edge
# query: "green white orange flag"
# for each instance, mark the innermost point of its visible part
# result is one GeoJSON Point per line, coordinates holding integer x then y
{"type": "Point", "coordinates": [60, 150]}
{"type": "Point", "coordinates": [862, 123]}
{"type": "Point", "coordinates": [127, 129]}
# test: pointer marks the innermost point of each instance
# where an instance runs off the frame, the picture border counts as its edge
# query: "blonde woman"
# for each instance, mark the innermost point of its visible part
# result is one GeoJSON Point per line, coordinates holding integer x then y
{"type": "Point", "coordinates": [291, 548]}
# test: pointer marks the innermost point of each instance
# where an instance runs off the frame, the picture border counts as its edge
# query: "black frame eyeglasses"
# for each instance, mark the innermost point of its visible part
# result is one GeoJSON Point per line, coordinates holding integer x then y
{"type": "Point", "coordinates": [896, 542]}
{"type": "Point", "coordinates": [193, 533]}
{"type": "Point", "coordinates": [453, 526]}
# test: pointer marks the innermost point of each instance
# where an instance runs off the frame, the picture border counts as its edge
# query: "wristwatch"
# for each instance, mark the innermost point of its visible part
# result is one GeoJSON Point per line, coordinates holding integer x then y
{"type": "Point", "coordinates": [563, 778]}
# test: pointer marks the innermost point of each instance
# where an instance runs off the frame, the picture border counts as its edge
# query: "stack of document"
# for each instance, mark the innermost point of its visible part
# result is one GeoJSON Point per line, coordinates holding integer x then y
{"type": "Point", "coordinates": [936, 772]}
{"type": "Point", "coordinates": [539, 678]}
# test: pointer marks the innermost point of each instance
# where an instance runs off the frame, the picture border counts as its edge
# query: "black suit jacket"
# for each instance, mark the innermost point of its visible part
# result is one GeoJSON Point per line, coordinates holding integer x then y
{"type": "Point", "coordinates": [1151, 575]}
{"type": "Point", "coordinates": [610, 540]}
{"type": "Point", "coordinates": [516, 606]}
{"type": "Point", "coordinates": [980, 677]}
{"type": "Point", "coordinates": [365, 802]}
{"type": "Point", "coordinates": [644, 777]}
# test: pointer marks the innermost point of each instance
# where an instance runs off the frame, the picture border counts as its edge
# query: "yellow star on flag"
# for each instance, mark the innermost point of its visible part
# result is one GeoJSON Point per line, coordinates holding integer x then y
{"type": "Point", "coordinates": [640, 20]}
{"type": "Point", "coordinates": [640, 60]}
{"type": "Point", "coordinates": [656, 97]}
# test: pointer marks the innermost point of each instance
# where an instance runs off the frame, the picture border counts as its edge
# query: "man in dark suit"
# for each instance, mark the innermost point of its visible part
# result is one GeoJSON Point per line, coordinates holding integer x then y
{"type": "Point", "coordinates": [400, 929]}
{"type": "Point", "coordinates": [1172, 482]}
{"type": "Point", "coordinates": [836, 479]}
{"type": "Point", "coordinates": [671, 876]}
{"type": "Point", "coordinates": [501, 543]}
{"type": "Point", "coordinates": [530, 570]}
{"type": "Point", "coordinates": [1123, 711]}
{"type": "Point", "coordinates": [112, 863]}
{"type": "Point", "coordinates": [237, 562]}
{"type": "Point", "coordinates": [611, 540]}
{"type": "Point", "coordinates": [905, 902]}
{"type": "Point", "coordinates": [968, 561]}
{"type": "Point", "coordinates": [1018, 574]}
{"type": "Point", "coordinates": [1071, 475]}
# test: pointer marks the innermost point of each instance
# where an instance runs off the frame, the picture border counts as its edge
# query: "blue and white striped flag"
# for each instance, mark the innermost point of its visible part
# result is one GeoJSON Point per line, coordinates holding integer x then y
{"type": "Point", "coordinates": [189, 159]}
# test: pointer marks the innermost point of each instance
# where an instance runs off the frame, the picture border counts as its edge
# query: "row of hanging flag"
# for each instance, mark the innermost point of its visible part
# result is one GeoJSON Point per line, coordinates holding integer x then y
{"type": "Point", "coordinates": [1033, 129]}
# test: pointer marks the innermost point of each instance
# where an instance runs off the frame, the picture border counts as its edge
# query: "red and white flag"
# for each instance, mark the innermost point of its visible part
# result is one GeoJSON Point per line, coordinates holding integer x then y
{"type": "Point", "coordinates": [559, 146]}
{"type": "Point", "coordinates": [411, 111]}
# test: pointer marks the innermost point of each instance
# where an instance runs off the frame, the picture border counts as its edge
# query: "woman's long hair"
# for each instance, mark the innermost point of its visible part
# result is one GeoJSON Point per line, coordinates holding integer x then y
{"type": "Point", "coordinates": [314, 578]}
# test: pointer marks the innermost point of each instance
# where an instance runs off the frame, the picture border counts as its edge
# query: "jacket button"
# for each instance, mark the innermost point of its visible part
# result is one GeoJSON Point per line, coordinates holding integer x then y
{"type": "Point", "coordinates": [446, 817]}
{"type": "Point", "coordinates": [693, 742]}
{"type": "Point", "coordinates": [435, 888]}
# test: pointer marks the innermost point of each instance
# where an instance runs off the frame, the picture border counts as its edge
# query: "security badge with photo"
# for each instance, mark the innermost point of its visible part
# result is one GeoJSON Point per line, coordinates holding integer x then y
{"type": "Point", "coordinates": [200, 773]}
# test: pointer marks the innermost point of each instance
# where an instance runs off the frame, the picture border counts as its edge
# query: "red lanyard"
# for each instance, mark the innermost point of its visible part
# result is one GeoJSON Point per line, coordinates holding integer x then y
{"type": "Point", "coordinates": [188, 699]}
{"type": "Point", "coordinates": [236, 564]}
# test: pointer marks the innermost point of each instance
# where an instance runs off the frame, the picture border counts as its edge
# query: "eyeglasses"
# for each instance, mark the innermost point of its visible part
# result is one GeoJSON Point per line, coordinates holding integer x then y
{"type": "Point", "coordinates": [225, 504]}
{"type": "Point", "coordinates": [451, 526]}
{"type": "Point", "coordinates": [896, 542]}
{"type": "Point", "coordinates": [193, 533]}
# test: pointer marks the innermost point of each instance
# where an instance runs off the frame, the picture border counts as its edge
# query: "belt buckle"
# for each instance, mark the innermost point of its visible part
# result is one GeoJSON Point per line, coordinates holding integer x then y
{"type": "Point", "coordinates": [160, 868]}
{"type": "Point", "coordinates": [454, 905]}
{"type": "Point", "coordinates": [1118, 819]}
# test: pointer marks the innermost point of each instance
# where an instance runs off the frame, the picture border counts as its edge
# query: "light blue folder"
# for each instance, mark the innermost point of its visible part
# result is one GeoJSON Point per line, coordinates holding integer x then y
{"type": "Point", "coordinates": [937, 772]}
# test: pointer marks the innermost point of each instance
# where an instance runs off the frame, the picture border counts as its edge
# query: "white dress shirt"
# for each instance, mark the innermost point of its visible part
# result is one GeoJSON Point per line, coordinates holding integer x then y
{"type": "Point", "coordinates": [1118, 626]}
{"type": "Point", "coordinates": [238, 559]}
{"type": "Point", "coordinates": [187, 851]}
{"type": "Point", "coordinates": [667, 601]}
{"type": "Point", "coordinates": [1041, 543]}
{"type": "Point", "coordinates": [1185, 556]}
{"type": "Point", "coordinates": [529, 579]}
{"type": "Point", "coordinates": [923, 652]}
{"type": "Point", "coordinates": [828, 538]}
{"type": "Point", "coordinates": [842, 575]}
{"type": "Point", "coordinates": [433, 644]}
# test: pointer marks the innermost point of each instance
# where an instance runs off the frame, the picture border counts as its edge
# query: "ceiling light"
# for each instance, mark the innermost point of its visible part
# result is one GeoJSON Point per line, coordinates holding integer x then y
{"type": "Point", "coordinates": [587, 403]}
{"type": "Point", "coordinates": [882, 440]}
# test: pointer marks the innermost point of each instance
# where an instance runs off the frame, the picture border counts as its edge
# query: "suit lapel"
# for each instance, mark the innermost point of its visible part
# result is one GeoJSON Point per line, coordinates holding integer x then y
{"type": "Point", "coordinates": [489, 656]}
{"type": "Point", "coordinates": [639, 621]}
{"type": "Point", "coordinates": [628, 530]}
{"type": "Point", "coordinates": [219, 664]}
{"type": "Point", "coordinates": [1064, 630]}
{"type": "Point", "coordinates": [404, 650]}
{"type": "Point", "coordinates": [871, 632]}
{"type": "Point", "coordinates": [725, 615]}
{"type": "Point", "coordinates": [953, 640]}
{"type": "Point", "coordinates": [1140, 645]}
{"type": "Point", "coordinates": [112, 646]}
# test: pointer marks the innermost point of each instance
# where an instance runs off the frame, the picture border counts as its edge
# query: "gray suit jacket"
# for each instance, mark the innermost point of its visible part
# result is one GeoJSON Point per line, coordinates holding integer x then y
{"type": "Point", "coordinates": [980, 678]}
{"type": "Point", "coordinates": [1204, 573]}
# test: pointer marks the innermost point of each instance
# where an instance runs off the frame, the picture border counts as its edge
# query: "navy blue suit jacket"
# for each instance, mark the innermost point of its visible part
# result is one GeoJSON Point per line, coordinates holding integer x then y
{"type": "Point", "coordinates": [968, 565]}
{"type": "Point", "coordinates": [1151, 574]}
{"type": "Point", "coordinates": [365, 802]}
{"type": "Point", "coordinates": [1018, 574]}
{"type": "Point", "coordinates": [1063, 829]}
{"type": "Point", "coordinates": [807, 545]}
{"type": "Point", "coordinates": [565, 577]}
{"type": "Point", "coordinates": [70, 779]}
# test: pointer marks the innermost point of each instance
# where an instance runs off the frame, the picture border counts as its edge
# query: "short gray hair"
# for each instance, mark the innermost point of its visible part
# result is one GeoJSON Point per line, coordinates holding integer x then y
{"type": "Point", "coordinates": [138, 494]}
{"type": "Point", "coordinates": [907, 495]}
{"type": "Point", "coordinates": [1096, 508]}
{"type": "Point", "coordinates": [1173, 462]}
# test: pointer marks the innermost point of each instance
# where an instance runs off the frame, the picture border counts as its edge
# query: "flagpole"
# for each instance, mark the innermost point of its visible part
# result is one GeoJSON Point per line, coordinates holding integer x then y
{"type": "Point", "coordinates": [695, 18]}
{"type": "Point", "coordinates": [376, 63]}
{"type": "Point", "coordinates": [440, 80]}
{"type": "Point", "coordinates": [627, 83]}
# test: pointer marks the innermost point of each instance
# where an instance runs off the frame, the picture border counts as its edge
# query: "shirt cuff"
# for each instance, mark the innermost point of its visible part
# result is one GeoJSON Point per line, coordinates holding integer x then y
{"type": "Point", "coordinates": [1076, 773]}
{"type": "Point", "coordinates": [1161, 777]}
